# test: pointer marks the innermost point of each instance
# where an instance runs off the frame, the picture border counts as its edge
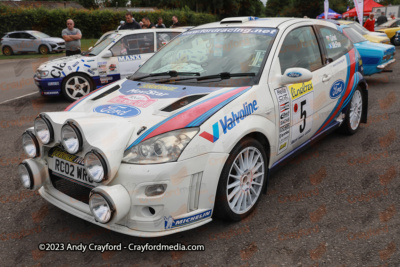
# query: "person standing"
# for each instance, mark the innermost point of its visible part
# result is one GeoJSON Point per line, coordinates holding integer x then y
{"type": "Point", "coordinates": [72, 37]}
{"type": "Point", "coordinates": [130, 23]}
{"type": "Point", "coordinates": [370, 23]}
{"type": "Point", "coordinates": [381, 19]}
{"type": "Point", "coordinates": [175, 22]}
{"type": "Point", "coordinates": [392, 16]}
{"type": "Point", "coordinates": [160, 23]}
{"type": "Point", "coordinates": [147, 23]}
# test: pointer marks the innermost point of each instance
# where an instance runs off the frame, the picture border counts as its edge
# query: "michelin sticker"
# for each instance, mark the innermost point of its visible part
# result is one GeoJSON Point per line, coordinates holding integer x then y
{"type": "Point", "coordinates": [118, 110]}
{"type": "Point", "coordinates": [283, 97]}
{"type": "Point", "coordinates": [171, 223]}
{"type": "Point", "coordinates": [336, 89]}
{"type": "Point", "coordinates": [302, 95]}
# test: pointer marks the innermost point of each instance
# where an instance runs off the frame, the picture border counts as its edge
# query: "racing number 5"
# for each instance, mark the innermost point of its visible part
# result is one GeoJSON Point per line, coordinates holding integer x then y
{"type": "Point", "coordinates": [303, 114]}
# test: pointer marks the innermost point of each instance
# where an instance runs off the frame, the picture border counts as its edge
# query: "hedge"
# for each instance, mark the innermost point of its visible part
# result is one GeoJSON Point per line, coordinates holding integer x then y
{"type": "Point", "coordinates": [92, 23]}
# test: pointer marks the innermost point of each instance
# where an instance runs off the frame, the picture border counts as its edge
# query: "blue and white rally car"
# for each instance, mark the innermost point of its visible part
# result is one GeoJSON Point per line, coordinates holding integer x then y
{"type": "Point", "coordinates": [117, 56]}
{"type": "Point", "coordinates": [197, 131]}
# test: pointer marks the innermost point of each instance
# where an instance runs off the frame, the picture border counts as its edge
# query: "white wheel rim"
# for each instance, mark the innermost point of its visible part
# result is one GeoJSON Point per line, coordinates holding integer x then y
{"type": "Point", "coordinates": [355, 110]}
{"type": "Point", "coordinates": [245, 180]}
{"type": "Point", "coordinates": [77, 86]}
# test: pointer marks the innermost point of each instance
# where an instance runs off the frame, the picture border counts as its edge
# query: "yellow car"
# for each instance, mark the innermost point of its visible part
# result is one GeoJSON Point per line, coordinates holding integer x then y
{"type": "Point", "coordinates": [389, 28]}
{"type": "Point", "coordinates": [375, 37]}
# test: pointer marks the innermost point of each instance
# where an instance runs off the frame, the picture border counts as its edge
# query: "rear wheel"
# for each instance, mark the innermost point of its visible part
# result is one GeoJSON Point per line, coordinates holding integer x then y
{"type": "Point", "coordinates": [354, 113]}
{"type": "Point", "coordinates": [76, 86]}
{"type": "Point", "coordinates": [7, 51]}
{"type": "Point", "coordinates": [242, 181]}
{"type": "Point", "coordinates": [43, 50]}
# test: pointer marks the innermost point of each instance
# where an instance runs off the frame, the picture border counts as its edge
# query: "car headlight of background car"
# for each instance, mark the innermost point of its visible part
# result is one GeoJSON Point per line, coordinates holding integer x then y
{"type": "Point", "coordinates": [42, 73]}
{"type": "Point", "coordinates": [165, 147]}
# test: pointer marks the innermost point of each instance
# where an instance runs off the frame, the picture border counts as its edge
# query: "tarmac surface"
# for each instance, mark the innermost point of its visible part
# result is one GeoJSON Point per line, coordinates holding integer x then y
{"type": "Point", "coordinates": [337, 204]}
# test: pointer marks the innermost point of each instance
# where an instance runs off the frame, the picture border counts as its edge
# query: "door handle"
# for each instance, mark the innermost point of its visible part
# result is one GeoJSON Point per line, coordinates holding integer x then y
{"type": "Point", "coordinates": [326, 78]}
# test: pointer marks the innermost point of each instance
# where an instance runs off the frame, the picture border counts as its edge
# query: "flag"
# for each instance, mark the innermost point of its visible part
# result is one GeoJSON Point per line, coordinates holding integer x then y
{"type": "Point", "coordinates": [348, 8]}
{"type": "Point", "coordinates": [326, 8]}
{"type": "Point", "coordinates": [359, 4]}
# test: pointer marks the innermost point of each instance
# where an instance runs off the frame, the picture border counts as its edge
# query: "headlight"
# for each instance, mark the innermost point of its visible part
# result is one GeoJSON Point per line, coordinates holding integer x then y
{"type": "Point", "coordinates": [71, 138]}
{"type": "Point", "coordinates": [30, 144]}
{"type": "Point", "coordinates": [25, 175]}
{"type": "Point", "coordinates": [43, 73]}
{"type": "Point", "coordinates": [100, 207]}
{"type": "Point", "coordinates": [95, 166]}
{"type": "Point", "coordinates": [43, 130]}
{"type": "Point", "coordinates": [165, 147]}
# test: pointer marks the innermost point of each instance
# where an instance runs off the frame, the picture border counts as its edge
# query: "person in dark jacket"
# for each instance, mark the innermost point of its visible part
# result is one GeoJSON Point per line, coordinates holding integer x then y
{"type": "Point", "coordinates": [175, 22]}
{"type": "Point", "coordinates": [160, 23]}
{"type": "Point", "coordinates": [130, 23]}
{"type": "Point", "coordinates": [381, 19]}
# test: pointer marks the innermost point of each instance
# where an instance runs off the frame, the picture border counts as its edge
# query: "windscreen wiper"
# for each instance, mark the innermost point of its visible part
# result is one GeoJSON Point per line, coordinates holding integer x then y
{"type": "Point", "coordinates": [171, 73]}
{"type": "Point", "coordinates": [222, 76]}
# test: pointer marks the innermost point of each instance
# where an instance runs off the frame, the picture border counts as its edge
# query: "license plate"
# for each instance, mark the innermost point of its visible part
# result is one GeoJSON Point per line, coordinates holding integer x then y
{"type": "Point", "coordinates": [73, 171]}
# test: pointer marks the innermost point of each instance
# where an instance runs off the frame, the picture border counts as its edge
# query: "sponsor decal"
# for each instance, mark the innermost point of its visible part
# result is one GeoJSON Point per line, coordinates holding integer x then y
{"type": "Point", "coordinates": [294, 74]}
{"type": "Point", "coordinates": [75, 64]}
{"type": "Point", "coordinates": [59, 153]}
{"type": "Point", "coordinates": [299, 89]}
{"type": "Point", "coordinates": [142, 101]}
{"type": "Point", "coordinates": [87, 66]}
{"type": "Point", "coordinates": [118, 110]}
{"type": "Point", "coordinates": [302, 118]}
{"type": "Point", "coordinates": [90, 71]}
{"type": "Point", "coordinates": [51, 93]}
{"type": "Point", "coordinates": [57, 70]}
{"type": "Point", "coordinates": [258, 31]}
{"type": "Point", "coordinates": [229, 122]}
{"type": "Point", "coordinates": [170, 223]}
{"type": "Point", "coordinates": [129, 58]}
{"type": "Point", "coordinates": [53, 83]}
{"type": "Point", "coordinates": [69, 67]}
{"type": "Point", "coordinates": [283, 98]}
{"type": "Point", "coordinates": [102, 67]}
{"type": "Point", "coordinates": [105, 79]}
{"type": "Point", "coordinates": [336, 89]}
{"type": "Point", "coordinates": [145, 92]}
{"type": "Point", "coordinates": [112, 67]}
{"type": "Point", "coordinates": [158, 87]}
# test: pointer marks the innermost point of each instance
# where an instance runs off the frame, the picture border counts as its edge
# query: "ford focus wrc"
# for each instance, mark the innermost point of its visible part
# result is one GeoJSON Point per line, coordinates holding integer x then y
{"type": "Point", "coordinates": [198, 129]}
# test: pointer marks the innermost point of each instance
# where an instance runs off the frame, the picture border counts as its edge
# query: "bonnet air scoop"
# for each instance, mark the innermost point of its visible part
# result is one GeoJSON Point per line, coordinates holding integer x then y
{"type": "Point", "coordinates": [182, 102]}
{"type": "Point", "coordinates": [106, 93]}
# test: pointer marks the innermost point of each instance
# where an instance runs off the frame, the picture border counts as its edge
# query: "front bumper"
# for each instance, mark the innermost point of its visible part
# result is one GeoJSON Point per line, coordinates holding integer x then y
{"type": "Point", "coordinates": [384, 65]}
{"type": "Point", "coordinates": [188, 182]}
{"type": "Point", "coordinates": [50, 86]}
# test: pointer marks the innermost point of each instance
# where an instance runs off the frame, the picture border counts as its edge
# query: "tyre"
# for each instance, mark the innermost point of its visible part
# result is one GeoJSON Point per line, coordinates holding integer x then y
{"type": "Point", "coordinates": [352, 119]}
{"type": "Point", "coordinates": [7, 51]}
{"type": "Point", "coordinates": [76, 86]}
{"type": "Point", "coordinates": [242, 181]}
{"type": "Point", "coordinates": [43, 50]}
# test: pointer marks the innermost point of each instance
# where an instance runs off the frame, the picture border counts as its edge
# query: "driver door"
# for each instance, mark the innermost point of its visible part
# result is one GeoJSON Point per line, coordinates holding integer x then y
{"type": "Point", "coordinates": [300, 107]}
{"type": "Point", "coordinates": [132, 51]}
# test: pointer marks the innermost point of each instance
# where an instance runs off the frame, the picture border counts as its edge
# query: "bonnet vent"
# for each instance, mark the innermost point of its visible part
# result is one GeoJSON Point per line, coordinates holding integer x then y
{"type": "Point", "coordinates": [182, 102]}
{"type": "Point", "coordinates": [106, 93]}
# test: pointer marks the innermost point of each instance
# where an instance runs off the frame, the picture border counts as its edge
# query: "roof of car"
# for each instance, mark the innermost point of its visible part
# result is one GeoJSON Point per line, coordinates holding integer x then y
{"type": "Point", "coordinates": [258, 22]}
{"type": "Point", "coordinates": [149, 30]}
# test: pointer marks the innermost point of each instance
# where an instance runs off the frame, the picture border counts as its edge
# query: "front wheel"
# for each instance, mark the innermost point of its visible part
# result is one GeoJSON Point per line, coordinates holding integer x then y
{"type": "Point", "coordinates": [354, 113]}
{"type": "Point", "coordinates": [7, 51]}
{"type": "Point", "coordinates": [43, 50]}
{"type": "Point", "coordinates": [76, 86]}
{"type": "Point", "coordinates": [242, 181]}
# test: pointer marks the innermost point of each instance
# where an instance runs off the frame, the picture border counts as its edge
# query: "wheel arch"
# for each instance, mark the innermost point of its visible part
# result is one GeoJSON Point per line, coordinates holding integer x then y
{"type": "Point", "coordinates": [78, 72]}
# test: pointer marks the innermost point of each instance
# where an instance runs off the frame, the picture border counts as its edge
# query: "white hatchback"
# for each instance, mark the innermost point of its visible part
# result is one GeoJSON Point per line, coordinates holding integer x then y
{"type": "Point", "coordinates": [197, 131]}
{"type": "Point", "coordinates": [118, 55]}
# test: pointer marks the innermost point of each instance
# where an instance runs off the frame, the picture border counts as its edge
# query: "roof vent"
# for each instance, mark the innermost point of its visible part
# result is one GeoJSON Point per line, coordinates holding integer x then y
{"type": "Point", "coordinates": [237, 20]}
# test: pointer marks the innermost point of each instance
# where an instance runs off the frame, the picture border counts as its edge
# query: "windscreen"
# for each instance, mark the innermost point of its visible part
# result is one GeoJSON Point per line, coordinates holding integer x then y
{"type": "Point", "coordinates": [354, 36]}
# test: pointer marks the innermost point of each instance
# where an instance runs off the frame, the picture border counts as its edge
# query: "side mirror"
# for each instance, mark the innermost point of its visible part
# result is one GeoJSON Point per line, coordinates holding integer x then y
{"type": "Point", "coordinates": [296, 75]}
{"type": "Point", "coordinates": [107, 54]}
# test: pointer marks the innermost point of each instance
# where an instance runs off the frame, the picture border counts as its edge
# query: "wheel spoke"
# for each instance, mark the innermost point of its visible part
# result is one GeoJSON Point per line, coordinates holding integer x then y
{"type": "Point", "coordinates": [251, 200]}
{"type": "Point", "coordinates": [254, 161]}
{"type": "Point", "coordinates": [235, 200]}
{"type": "Point", "coordinates": [241, 163]}
{"type": "Point", "coordinates": [75, 92]}
{"type": "Point", "coordinates": [254, 191]}
{"type": "Point", "coordinates": [238, 170]}
{"type": "Point", "coordinates": [258, 175]}
{"type": "Point", "coordinates": [237, 183]}
{"type": "Point", "coordinates": [76, 80]}
{"type": "Point", "coordinates": [239, 204]}
{"type": "Point", "coordinates": [234, 176]}
{"type": "Point", "coordinates": [258, 166]}
{"type": "Point", "coordinates": [246, 158]}
{"type": "Point", "coordinates": [233, 193]}
{"type": "Point", "coordinates": [256, 183]}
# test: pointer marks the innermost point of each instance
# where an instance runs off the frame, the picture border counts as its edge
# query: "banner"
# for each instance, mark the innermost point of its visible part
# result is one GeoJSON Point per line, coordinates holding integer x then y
{"type": "Point", "coordinates": [326, 8]}
{"type": "Point", "coordinates": [359, 4]}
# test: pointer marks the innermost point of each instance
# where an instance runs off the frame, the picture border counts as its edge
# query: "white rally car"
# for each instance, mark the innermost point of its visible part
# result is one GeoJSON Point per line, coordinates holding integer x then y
{"type": "Point", "coordinates": [117, 55]}
{"type": "Point", "coordinates": [197, 131]}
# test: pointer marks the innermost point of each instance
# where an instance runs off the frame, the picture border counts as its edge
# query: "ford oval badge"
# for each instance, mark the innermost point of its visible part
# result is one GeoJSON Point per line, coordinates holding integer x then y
{"type": "Point", "coordinates": [336, 89]}
{"type": "Point", "coordinates": [294, 74]}
{"type": "Point", "coordinates": [118, 110]}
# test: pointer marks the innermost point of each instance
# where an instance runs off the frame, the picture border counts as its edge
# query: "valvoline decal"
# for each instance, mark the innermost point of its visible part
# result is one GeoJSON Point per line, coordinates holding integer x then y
{"type": "Point", "coordinates": [230, 121]}
{"type": "Point", "coordinates": [294, 74]}
{"type": "Point", "coordinates": [336, 89]}
{"type": "Point", "coordinates": [118, 110]}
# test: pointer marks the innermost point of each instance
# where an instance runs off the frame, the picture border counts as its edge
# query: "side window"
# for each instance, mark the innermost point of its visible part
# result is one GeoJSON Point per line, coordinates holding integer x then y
{"type": "Point", "coordinates": [164, 38]}
{"type": "Point", "coordinates": [134, 44]}
{"type": "Point", "coordinates": [300, 50]}
{"type": "Point", "coordinates": [25, 35]}
{"type": "Point", "coordinates": [397, 23]}
{"type": "Point", "coordinates": [336, 43]}
{"type": "Point", "coordinates": [14, 35]}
